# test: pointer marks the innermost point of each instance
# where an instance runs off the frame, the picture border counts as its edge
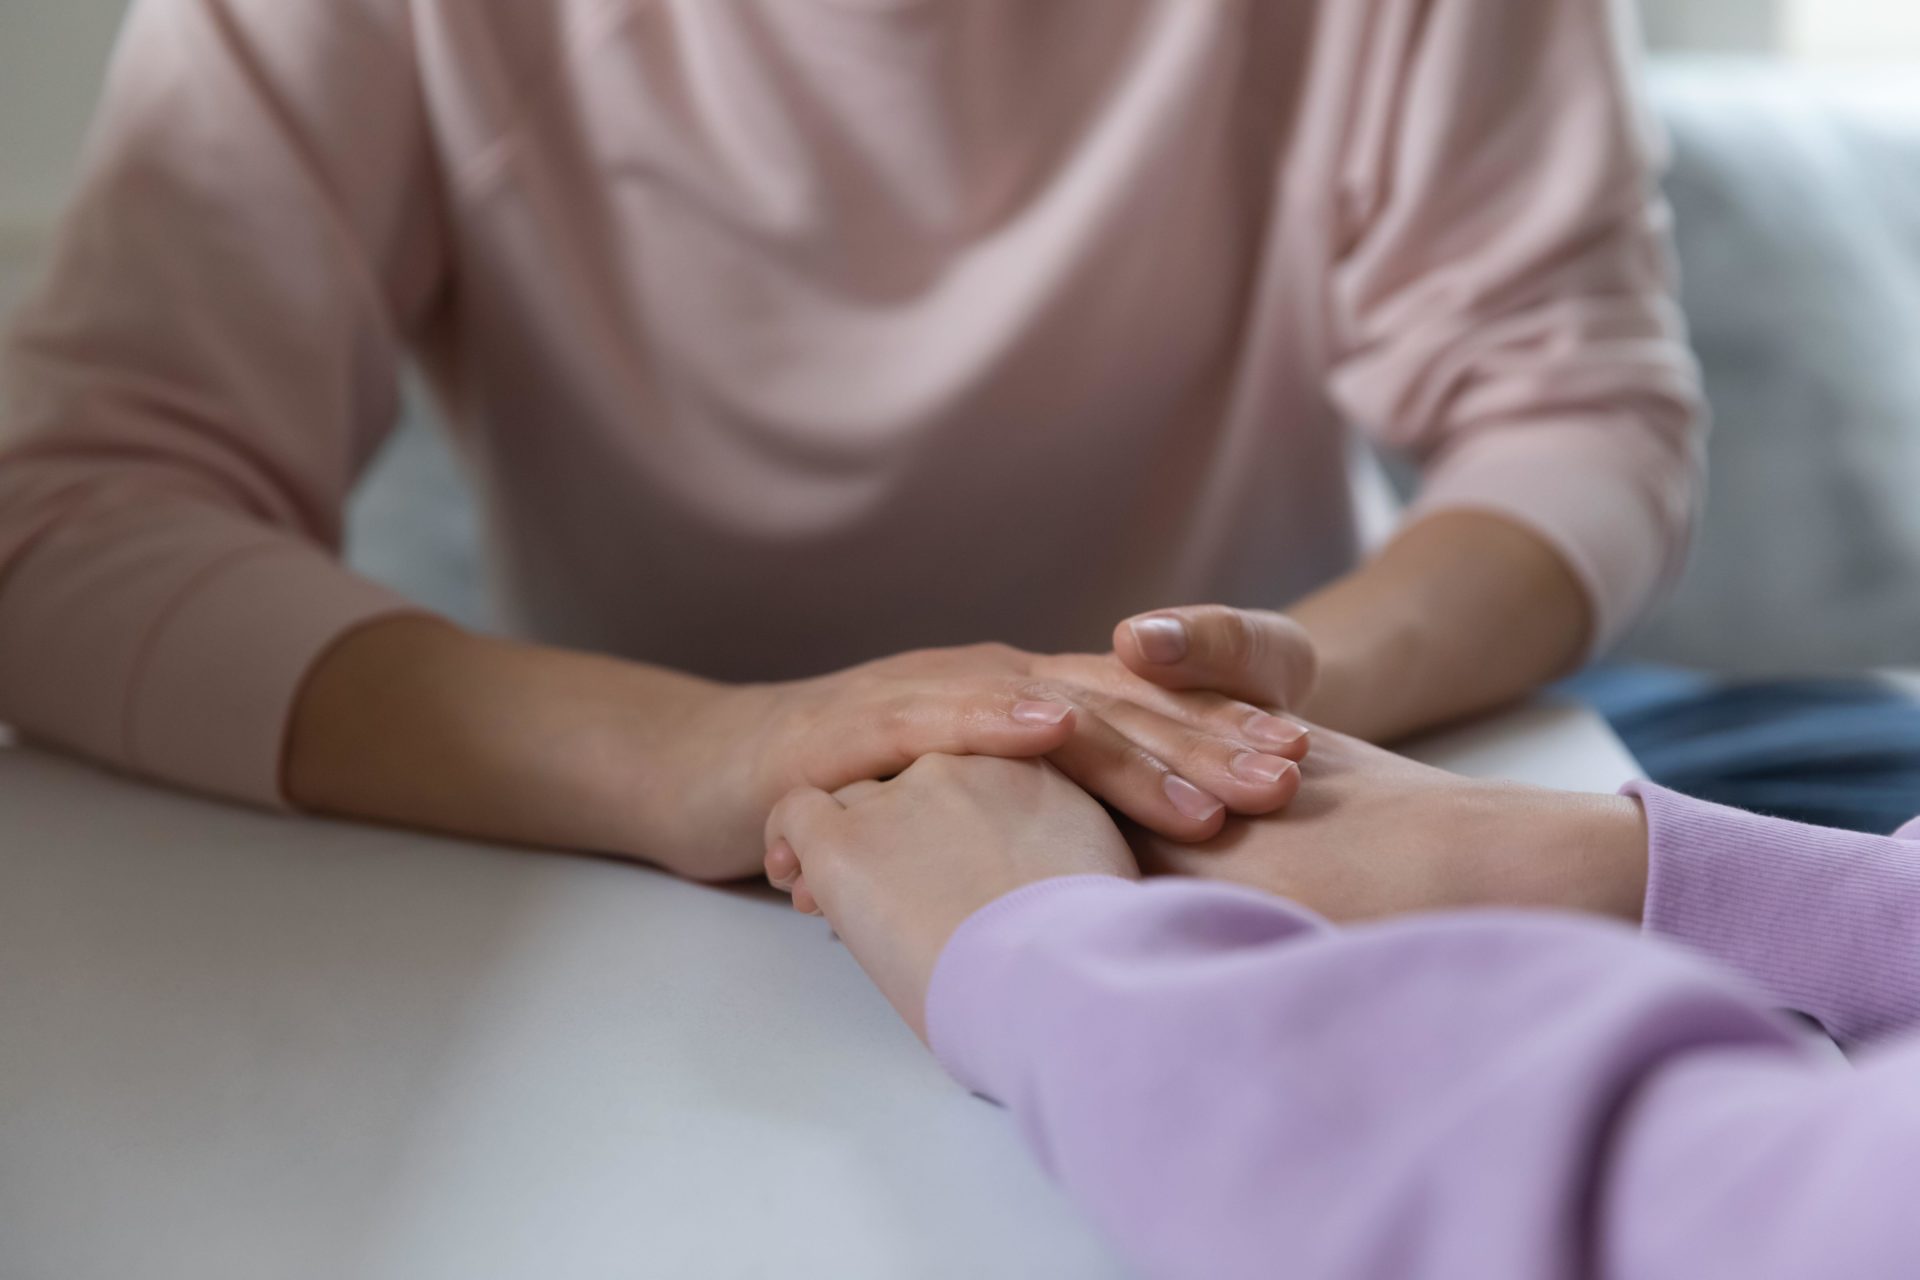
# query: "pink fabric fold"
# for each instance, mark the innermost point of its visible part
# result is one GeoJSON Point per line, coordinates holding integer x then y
{"type": "Point", "coordinates": [906, 325]}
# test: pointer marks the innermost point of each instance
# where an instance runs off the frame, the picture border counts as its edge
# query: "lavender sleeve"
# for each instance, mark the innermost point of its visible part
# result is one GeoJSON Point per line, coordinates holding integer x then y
{"type": "Point", "coordinates": [1824, 922]}
{"type": "Point", "coordinates": [1231, 1088]}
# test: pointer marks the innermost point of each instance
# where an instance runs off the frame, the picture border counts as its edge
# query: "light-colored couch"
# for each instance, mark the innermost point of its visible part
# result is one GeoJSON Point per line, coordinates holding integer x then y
{"type": "Point", "coordinates": [1797, 205]}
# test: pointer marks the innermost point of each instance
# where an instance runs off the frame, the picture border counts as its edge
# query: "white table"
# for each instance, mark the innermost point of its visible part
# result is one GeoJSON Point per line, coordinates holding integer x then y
{"type": "Point", "coordinates": [236, 1045]}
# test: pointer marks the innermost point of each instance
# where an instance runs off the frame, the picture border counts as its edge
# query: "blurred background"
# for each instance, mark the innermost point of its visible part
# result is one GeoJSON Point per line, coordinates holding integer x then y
{"type": "Point", "coordinates": [1796, 186]}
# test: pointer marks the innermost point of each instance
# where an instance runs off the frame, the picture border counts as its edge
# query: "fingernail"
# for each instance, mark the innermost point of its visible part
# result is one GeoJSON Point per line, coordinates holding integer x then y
{"type": "Point", "coordinates": [1190, 800]}
{"type": "Point", "coordinates": [1273, 730]}
{"type": "Point", "coordinates": [1266, 770]}
{"type": "Point", "coordinates": [781, 864]}
{"type": "Point", "coordinates": [1162, 640]}
{"type": "Point", "coordinates": [1041, 712]}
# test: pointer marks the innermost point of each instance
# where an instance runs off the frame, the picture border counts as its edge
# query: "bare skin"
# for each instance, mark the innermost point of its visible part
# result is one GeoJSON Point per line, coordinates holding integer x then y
{"type": "Point", "coordinates": [415, 723]}
{"type": "Point", "coordinates": [411, 722]}
{"type": "Point", "coordinates": [1373, 834]}
{"type": "Point", "coordinates": [898, 867]}
{"type": "Point", "coordinates": [1459, 614]}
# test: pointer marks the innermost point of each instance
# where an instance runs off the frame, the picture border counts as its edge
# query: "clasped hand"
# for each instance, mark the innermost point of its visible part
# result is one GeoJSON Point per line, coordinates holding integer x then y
{"type": "Point", "coordinates": [898, 866]}
{"type": "Point", "coordinates": [1174, 729]}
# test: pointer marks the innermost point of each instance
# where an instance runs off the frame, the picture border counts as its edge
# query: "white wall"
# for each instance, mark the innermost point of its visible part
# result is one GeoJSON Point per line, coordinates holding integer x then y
{"type": "Point", "coordinates": [51, 56]}
{"type": "Point", "coordinates": [1851, 30]}
{"type": "Point", "coordinates": [1719, 25]}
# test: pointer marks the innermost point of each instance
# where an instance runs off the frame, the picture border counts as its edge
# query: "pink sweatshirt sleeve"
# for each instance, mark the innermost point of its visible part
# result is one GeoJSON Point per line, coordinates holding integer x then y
{"type": "Point", "coordinates": [1824, 922]}
{"type": "Point", "coordinates": [1232, 1089]}
{"type": "Point", "coordinates": [1502, 302]}
{"type": "Point", "coordinates": [212, 360]}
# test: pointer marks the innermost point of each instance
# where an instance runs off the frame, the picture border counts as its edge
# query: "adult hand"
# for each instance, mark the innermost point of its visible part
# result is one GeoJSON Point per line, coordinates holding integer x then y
{"type": "Point", "coordinates": [1373, 834]}
{"type": "Point", "coordinates": [898, 866]}
{"type": "Point", "coordinates": [1176, 762]}
{"type": "Point", "coordinates": [1254, 655]}
{"type": "Point", "coordinates": [411, 721]}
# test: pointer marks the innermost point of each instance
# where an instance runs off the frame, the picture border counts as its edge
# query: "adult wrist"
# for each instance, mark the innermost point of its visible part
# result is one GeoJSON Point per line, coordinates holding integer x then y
{"type": "Point", "coordinates": [415, 722]}
{"type": "Point", "coordinates": [1352, 689]}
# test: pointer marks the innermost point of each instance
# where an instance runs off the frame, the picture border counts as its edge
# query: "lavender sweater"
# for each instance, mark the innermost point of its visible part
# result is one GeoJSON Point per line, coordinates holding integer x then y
{"type": "Point", "coordinates": [1232, 1087]}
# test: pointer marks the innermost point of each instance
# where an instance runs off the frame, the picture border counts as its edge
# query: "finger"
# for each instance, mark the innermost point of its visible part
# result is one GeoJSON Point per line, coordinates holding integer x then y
{"type": "Point", "coordinates": [1212, 712]}
{"type": "Point", "coordinates": [782, 866]}
{"type": "Point", "coordinates": [1250, 779]}
{"type": "Point", "coordinates": [801, 818]}
{"type": "Point", "coordinates": [859, 792]}
{"type": "Point", "coordinates": [803, 900]}
{"type": "Point", "coordinates": [1128, 777]}
{"type": "Point", "coordinates": [1013, 723]}
{"type": "Point", "coordinates": [1251, 654]}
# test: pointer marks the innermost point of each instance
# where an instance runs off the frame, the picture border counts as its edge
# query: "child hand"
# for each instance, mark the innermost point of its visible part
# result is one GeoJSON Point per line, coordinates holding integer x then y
{"type": "Point", "coordinates": [896, 867]}
{"type": "Point", "coordinates": [1373, 834]}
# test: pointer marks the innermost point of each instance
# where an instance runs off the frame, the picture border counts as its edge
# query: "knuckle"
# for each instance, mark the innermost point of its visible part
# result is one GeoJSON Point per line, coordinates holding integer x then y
{"type": "Point", "coordinates": [1135, 758]}
{"type": "Point", "coordinates": [1233, 717]}
{"type": "Point", "coordinates": [895, 722]}
{"type": "Point", "coordinates": [1054, 666]}
{"type": "Point", "coordinates": [994, 653]}
{"type": "Point", "coordinates": [1041, 691]}
{"type": "Point", "coordinates": [1209, 750]}
{"type": "Point", "coordinates": [1304, 659]}
{"type": "Point", "coordinates": [1239, 637]}
{"type": "Point", "coordinates": [878, 670]}
{"type": "Point", "coordinates": [1216, 748]}
{"type": "Point", "coordinates": [895, 711]}
{"type": "Point", "coordinates": [1253, 639]}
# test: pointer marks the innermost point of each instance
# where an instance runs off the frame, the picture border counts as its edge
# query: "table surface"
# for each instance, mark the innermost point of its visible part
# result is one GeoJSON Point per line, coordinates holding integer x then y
{"type": "Point", "coordinates": [234, 1044]}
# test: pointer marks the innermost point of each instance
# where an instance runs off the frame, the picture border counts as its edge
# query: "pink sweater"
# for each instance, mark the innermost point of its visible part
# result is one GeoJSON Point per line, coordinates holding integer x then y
{"type": "Point", "coordinates": [779, 334]}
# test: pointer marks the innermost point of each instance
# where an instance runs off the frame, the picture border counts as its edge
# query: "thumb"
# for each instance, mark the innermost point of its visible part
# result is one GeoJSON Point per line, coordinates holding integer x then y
{"type": "Point", "coordinates": [803, 816]}
{"type": "Point", "coordinates": [1254, 655]}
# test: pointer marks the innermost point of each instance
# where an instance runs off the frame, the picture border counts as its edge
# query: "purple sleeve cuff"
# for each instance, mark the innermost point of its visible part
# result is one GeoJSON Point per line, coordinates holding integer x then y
{"type": "Point", "coordinates": [1826, 923]}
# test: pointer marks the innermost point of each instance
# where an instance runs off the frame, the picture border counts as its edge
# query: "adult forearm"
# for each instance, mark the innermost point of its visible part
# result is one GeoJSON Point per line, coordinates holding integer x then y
{"type": "Point", "coordinates": [1460, 613]}
{"type": "Point", "coordinates": [413, 722]}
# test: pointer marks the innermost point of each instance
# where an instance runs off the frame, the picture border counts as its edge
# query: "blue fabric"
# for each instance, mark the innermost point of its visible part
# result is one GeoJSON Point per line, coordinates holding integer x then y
{"type": "Point", "coordinates": [1834, 752]}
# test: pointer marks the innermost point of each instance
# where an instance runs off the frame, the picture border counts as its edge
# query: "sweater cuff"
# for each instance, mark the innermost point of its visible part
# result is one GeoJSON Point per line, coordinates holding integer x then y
{"type": "Point", "coordinates": [1816, 919]}
{"type": "Point", "coordinates": [1615, 510]}
{"type": "Point", "coordinates": [216, 680]}
{"type": "Point", "coordinates": [967, 1013]}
